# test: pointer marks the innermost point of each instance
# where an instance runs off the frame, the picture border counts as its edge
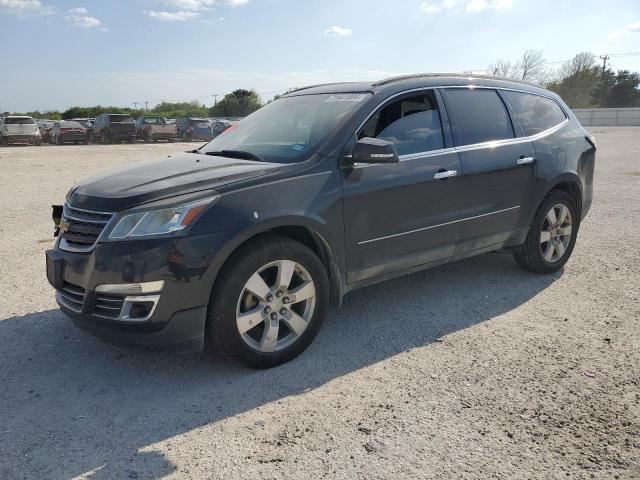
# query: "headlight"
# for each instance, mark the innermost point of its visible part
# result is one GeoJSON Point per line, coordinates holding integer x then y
{"type": "Point", "coordinates": [158, 222]}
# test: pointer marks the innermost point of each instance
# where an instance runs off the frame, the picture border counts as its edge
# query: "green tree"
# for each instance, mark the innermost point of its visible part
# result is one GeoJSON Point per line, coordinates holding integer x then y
{"type": "Point", "coordinates": [238, 103]}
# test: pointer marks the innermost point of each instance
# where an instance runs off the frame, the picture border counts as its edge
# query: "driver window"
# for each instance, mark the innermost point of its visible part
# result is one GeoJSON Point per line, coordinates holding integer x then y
{"type": "Point", "coordinates": [411, 123]}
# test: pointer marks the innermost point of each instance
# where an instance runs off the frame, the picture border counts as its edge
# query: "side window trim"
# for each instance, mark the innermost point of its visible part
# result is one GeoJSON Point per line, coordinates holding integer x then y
{"type": "Point", "coordinates": [515, 123]}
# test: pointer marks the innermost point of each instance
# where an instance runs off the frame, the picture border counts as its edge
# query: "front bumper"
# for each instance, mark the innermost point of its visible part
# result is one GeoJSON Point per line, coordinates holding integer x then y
{"type": "Point", "coordinates": [187, 267]}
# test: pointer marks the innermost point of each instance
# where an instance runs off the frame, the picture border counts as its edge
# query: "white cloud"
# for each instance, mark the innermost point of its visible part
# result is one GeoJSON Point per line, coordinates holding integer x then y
{"type": "Point", "coordinates": [336, 31]}
{"type": "Point", "coordinates": [631, 29]}
{"type": "Point", "coordinates": [203, 4]}
{"type": "Point", "coordinates": [436, 7]}
{"type": "Point", "coordinates": [25, 7]}
{"type": "Point", "coordinates": [80, 18]}
{"type": "Point", "coordinates": [179, 16]}
{"type": "Point", "coordinates": [480, 5]}
{"type": "Point", "coordinates": [472, 6]}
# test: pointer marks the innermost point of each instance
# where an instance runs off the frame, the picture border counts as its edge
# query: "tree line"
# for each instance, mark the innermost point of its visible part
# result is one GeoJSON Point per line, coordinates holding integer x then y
{"type": "Point", "coordinates": [581, 82]}
{"type": "Point", "coordinates": [238, 103]}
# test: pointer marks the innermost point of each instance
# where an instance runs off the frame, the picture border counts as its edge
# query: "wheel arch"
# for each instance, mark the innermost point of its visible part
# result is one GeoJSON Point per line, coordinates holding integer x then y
{"type": "Point", "coordinates": [569, 183]}
{"type": "Point", "coordinates": [300, 229]}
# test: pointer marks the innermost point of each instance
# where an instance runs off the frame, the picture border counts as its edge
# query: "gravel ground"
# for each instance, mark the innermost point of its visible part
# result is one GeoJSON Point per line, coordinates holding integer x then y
{"type": "Point", "coordinates": [472, 370]}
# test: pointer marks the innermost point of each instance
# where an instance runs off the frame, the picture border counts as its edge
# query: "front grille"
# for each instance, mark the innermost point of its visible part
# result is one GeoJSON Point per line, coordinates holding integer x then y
{"type": "Point", "coordinates": [82, 228]}
{"type": "Point", "coordinates": [71, 296]}
{"type": "Point", "coordinates": [107, 305]}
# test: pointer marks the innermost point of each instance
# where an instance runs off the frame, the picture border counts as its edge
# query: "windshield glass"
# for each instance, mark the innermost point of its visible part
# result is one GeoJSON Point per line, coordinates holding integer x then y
{"type": "Point", "coordinates": [289, 129]}
{"type": "Point", "coordinates": [120, 118]}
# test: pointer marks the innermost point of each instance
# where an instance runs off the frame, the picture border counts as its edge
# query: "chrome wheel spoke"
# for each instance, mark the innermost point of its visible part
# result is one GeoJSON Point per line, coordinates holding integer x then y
{"type": "Point", "coordinates": [258, 286]}
{"type": "Point", "coordinates": [303, 292]}
{"type": "Point", "coordinates": [248, 320]}
{"type": "Point", "coordinates": [562, 215]}
{"type": "Point", "coordinates": [560, 249]}
{"type": "Point", "coordinates": [551, 216]}
{"type": "Point", "coordinates": [285, 272]}
{"type": "Point", "coordinates": [269, 336]}
{"type": "Point", "coordinates": [545, 236]}
{"type": "Point", "coordinates": [295, 322]}
{"type": "Point", "coordinates": [549, 251]}
{"type": "Point", "coordinates": [565, 231]}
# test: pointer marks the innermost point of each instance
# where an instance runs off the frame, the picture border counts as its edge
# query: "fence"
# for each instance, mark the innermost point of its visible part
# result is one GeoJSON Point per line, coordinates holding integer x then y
{"type": "Point", "coordinates": [601, 117]}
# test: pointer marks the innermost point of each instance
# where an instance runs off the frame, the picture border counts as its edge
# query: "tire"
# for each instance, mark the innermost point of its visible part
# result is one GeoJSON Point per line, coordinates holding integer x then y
{"type": "Point", "coordinates": [539, 255]}
{"type": "Point", "coordinates": [38, 143]}
{"type": "Point", "coordinates": [3, 141]}
{"type": "Point", "coordinates": [231, 298]}
{"type": "Point", "coordinates": [58, 142]}
{"type": "Point", "coordinates": [105, 138]}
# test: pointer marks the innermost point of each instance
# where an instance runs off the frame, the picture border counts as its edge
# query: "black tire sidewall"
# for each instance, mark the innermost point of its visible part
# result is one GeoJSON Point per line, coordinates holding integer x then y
{"type": "Point", "coordinates": [222, 312]}
{"type": "Point", "coordinates": [533, 239]}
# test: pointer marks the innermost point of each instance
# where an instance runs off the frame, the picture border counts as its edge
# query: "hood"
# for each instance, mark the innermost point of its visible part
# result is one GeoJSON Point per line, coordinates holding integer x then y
{"type": "Point", "coordinates": [176, 174]}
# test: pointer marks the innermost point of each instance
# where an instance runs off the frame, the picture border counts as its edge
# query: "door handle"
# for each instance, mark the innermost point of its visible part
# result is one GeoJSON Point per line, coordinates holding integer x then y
{"type": "Point", "coordinates": [445, 174]}
{"type": "Point", "coordinates": [525, 160]}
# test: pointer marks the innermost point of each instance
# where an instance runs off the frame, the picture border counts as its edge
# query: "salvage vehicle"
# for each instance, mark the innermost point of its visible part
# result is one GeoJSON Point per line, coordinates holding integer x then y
{"type": "Point", "coordinates": [87, 123]}
{"type": "Point", "coordinates": [219, 126]}
{"type": "Point", "coordinates": [19, 129]}
{"type": "Point", "coordinates": [113, 127]}
{"type": "Point", "coordinates": [66, 131]}
{"type": "Point", "coordinates": [45, 127]}
{"type": "Point", "coordinates": [188, 129]}
{"type": "Point", "coordinates": [154, 129]}
{"type": "Point", "coordinates": [246, 241]}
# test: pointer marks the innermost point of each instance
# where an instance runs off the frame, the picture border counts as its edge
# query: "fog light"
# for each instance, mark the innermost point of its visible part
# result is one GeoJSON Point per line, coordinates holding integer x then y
{"type": "Point", "coordinates": [140, 310]}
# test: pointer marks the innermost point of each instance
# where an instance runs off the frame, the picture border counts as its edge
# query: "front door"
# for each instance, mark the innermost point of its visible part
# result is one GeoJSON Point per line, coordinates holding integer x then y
{"type": "Point", "coordinates": [403, 214]}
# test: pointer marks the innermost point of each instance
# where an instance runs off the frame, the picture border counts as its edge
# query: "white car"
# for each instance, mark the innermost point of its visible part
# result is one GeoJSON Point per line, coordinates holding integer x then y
{"type": "Point", "coordinates": [19, 129]}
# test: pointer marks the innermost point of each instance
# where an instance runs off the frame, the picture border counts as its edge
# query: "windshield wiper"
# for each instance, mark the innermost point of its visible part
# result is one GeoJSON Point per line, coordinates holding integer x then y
{"type": "Point", "coordinates": [236, 154]}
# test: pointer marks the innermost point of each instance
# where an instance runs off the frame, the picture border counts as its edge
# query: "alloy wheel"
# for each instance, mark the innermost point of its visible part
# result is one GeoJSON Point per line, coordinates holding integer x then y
{"type": "Point", "coordinates": [556, 232]}
{"type": "Point", "coordinates": [275, 306]}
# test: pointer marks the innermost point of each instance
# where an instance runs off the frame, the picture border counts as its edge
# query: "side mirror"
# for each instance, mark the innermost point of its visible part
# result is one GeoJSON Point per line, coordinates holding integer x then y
{"type": "Point", "coordinates": [374, 150]}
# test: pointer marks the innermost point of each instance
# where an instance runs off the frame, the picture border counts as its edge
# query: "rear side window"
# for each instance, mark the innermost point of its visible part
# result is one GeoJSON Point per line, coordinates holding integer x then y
{"type": "Point", "coordinates": [19, 121]}
{"type": "Point", "coordinates": [535, 113]}
{"type": "Point", "coordinates": [479, 115]}
{"type": "Point", "coordinates": [412, 124]}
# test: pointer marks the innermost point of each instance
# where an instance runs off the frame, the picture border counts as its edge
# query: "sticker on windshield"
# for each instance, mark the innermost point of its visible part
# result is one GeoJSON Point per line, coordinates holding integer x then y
{"type": "Point", "coordinates": [298, 147]}
{"type": "Point", "coordinates": [346, 97]}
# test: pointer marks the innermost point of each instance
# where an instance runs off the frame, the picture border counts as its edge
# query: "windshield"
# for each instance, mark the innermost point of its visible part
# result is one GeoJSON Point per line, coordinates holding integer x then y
{"type": "Point", "coordinates": [289, 129]}
{"type": "Point", "coordinates": [120, 118]}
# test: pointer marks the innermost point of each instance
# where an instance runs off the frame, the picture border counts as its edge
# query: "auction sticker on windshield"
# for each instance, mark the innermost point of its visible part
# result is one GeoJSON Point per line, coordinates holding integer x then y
{"type": "Point", "coordinates": [346, 97]}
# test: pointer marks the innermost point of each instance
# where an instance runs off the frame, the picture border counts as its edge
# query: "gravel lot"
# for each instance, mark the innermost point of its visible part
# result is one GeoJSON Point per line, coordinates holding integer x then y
{"type": "Point", "coordinates": [472, 370]}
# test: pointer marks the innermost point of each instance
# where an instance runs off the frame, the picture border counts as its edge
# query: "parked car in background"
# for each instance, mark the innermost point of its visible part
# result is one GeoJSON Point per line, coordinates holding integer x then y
{"type": "Point", "coordinates": [19, 129]}
{"type": "Point", "coordinates": [113, 127]}
{"type": "Point", "coordinates": [87, 123]}
{"type": "Point", "coordinates": [45, 127]}
{"type": "Point", "coordinates": [170, 121]}
{"type": "Point", "coordinates": [189, 128]}
{"type": "Point", "coordinates": [67, 131]}
{"type": "Point", "coordinates": [154, 129]}
{"type": "Point", "coordinates": [219, 126]}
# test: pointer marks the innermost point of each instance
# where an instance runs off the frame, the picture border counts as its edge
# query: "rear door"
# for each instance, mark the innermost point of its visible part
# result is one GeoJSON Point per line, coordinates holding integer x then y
{"type": "Point", "coordinates": [498, 167]}
{"type": "Point", "coordinates": [400, 215]}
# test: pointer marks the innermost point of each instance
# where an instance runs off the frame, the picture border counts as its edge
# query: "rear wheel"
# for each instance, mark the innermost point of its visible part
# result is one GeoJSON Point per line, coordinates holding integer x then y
{"type": "Point", "coordinates": [105, 138]}
{"type": "Point", "coordinates": [269, 303]}
{"type": "Point", "coordinates": [552, 235]}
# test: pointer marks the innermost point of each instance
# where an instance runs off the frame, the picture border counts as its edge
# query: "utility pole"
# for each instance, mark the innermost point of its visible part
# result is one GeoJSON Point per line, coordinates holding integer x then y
{"type": "Point", "coordinates": [215, 100]}
{"type": "Point", "coordinates": [135, 105]}
{"type": "Point", "coordinates": [604, 59]}
{"type": "Point", "coordinates": [146, 104]}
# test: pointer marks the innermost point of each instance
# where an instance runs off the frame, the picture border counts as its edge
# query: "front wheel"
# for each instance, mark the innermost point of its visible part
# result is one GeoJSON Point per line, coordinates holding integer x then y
{"type": "Point", "coordinates": [269, 302]}
{"type": "Point", "coordinates": [552, 235]}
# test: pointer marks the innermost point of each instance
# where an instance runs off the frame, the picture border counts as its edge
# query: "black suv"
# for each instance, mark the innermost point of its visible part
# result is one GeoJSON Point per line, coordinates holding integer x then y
{"type": "Point", "coordinates": [113, 127]}
{"type": "Point", "coordinates": [248, 239]}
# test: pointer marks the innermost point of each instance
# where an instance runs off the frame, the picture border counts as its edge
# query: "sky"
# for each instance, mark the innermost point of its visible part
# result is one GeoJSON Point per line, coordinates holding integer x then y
{"type": "Point", "coordinates": [59, 53]}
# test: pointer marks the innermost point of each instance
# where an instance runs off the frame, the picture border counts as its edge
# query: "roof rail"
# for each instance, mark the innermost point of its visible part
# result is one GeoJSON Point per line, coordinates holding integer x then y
{"type": "Point", "coordinates": [314, 86]}
{"type": "Point", "coordinates": [400, 78]}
